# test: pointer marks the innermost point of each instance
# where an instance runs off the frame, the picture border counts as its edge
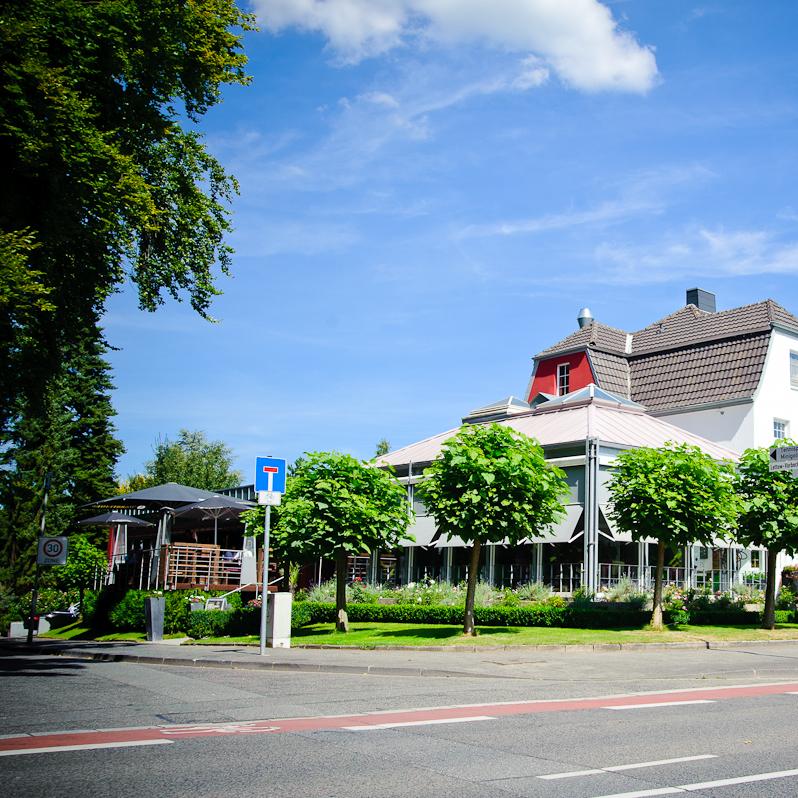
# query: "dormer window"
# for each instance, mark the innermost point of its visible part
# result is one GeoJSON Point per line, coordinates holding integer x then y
{"type": "Point", "coordinates": [563, 378]}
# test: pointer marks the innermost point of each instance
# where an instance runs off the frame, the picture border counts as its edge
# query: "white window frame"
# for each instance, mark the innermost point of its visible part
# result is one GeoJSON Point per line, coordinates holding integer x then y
{"type": "Point", "coordinates": [563, 378]}
{"type": "Point", "coordinates": [785, 428]}
{"type": "Point", "coordinates": [794, 368]}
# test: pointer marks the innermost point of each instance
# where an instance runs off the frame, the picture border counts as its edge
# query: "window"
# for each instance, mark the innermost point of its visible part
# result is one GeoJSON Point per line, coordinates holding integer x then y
{"type": "Point", "coordinates": [756, 559]}
{"type": "Point", "coordinates": [563, 378]}
{"type": "Point", "coordinates": [780, 428]}
{"type": "Point", "coordinates": [794, 369]}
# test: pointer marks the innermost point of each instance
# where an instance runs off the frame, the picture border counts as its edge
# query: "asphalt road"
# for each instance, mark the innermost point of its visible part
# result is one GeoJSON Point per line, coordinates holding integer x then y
{"type": "Point", "coordinates": [223, 732]}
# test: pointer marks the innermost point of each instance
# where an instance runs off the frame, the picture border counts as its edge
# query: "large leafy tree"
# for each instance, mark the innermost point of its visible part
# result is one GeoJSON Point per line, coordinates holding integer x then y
{"type": "Point", "coordinates": [105, 177]}
{"type": "Point", "coordinates": [489, 484]}
{"type": "Point", "coordinates": [768, 515]}
{"type": "Point", "coordinates": [677, 495]}
{"type": "Point", "coordinates": [190, 460]}
{"type": "Point", "coordinates": [72, 437]}
{"type": "Point", "coordinates": [335, 506]}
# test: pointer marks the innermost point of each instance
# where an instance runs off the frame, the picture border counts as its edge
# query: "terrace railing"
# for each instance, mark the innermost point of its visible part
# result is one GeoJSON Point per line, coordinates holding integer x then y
{"type": "Point", "coordinates": [185, 565]}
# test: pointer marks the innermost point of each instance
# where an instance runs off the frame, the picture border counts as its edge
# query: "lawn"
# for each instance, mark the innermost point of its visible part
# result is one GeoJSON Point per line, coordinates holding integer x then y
{"type": "Point", "coordinates": [374, 635]}
{"type": "Point", "coordinates": [76, 631]}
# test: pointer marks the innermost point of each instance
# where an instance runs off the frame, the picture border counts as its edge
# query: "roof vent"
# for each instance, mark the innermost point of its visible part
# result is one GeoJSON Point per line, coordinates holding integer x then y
{"type": "Point", "coordinates": [703, 300]}
{"type": "Point", "coordinates": [584, 318]}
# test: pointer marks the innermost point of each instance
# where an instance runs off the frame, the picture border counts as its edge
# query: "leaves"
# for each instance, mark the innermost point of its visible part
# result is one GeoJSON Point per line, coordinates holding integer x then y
{"type": "Point", "coordinates": [491, 483]}
{"type": "Point", "coordinates": [676, 494]}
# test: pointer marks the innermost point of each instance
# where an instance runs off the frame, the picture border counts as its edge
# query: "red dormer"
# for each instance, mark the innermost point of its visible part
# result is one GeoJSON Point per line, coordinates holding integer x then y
{"type": "Point", "coordinates": [561, 374]}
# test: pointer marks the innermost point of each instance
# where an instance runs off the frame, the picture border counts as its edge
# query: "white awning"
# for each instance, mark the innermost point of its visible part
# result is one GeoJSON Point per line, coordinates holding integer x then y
{"type": "Point", "coordinates": [564, 531]}
{"type": "Point", "coordinates": [444, 543]}
{"type": "Point", "coordinates": [422, 530]}
{"type": "Point", "coordinates": [617, 534]}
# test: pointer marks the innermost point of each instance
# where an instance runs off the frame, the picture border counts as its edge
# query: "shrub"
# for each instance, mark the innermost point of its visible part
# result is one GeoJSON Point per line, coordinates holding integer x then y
{"type": "Point", "coordinates": [785, 600]}
{"type": "Point", "coordinates": [128, 614]}
{"type": "Point", "coordinates": [533, 591]}
{"type": "Point", "coordinates": [627, 592]}
{"type": "Point", "coordinates": [785, 616]}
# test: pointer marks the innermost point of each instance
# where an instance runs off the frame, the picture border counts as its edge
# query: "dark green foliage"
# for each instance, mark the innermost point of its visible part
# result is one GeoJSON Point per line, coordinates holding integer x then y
{"type": "Point", "coordinates": [191, 460]}
{"type": "Point", "coordinates": [724, 617]}
{"type": "Point", "coordinates": [128, 614]}
{"type": "Point", "coordinates": [104, 176]}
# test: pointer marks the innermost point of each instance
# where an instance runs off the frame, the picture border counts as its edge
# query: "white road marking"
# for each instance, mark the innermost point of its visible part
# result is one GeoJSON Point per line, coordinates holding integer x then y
{"type": "Point", "coordinates": [661, 704]}
{"type": "Point", "coordinates": [619, 768]}
{"type": "Point", "coordinates": [708, 785]}
{"type": "Point", "coordinates": [416, 723]}
{"type": "Point", "coordinates": [704, 785]}
{"type": "Point", "coordinates": [50, 749]}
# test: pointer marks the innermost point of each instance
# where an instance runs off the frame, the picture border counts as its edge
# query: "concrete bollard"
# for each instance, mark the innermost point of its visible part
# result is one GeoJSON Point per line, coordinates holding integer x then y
{"type": "Point", "coordinates": [154, 608]}
{"type": "Point", "coordinates": [278, 621]}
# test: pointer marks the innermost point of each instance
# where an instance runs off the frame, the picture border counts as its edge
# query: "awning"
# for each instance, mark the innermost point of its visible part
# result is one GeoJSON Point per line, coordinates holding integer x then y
{"type": "Point", "coordinates": [566, 530]}
{"type": "Point", "coordinates": [618, 535]}
{"type": "Point", "coordinates": [423, 530]}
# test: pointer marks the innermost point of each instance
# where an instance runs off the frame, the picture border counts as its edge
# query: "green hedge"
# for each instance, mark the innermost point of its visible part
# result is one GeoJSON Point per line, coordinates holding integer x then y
{"type": "Point", "coordinates": [246, 620]}
{"type": "Point", "coordinates": [727, 617]}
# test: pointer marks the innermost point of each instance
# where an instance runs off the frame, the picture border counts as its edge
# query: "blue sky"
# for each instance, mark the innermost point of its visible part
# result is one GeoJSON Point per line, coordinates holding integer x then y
{"type": "Point", "coordinates": [431, 189]}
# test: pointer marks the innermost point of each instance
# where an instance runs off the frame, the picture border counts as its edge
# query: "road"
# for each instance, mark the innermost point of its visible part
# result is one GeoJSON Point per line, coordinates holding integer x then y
{"type": "Point", "coordinates": [580, 725]}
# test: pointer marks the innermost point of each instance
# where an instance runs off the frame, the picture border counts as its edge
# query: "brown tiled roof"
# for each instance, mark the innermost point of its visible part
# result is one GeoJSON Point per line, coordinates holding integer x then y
{"type": "Point", "coordinates": [687, 358]}
{"type": "Point", "coordinates": [689, 325]}
{"type": "Point", "coordinates": [612, 372]}
{"type": "Point", "coordinates": [595, 335]}
{"type": "Point", "coordinates": [710, 372]}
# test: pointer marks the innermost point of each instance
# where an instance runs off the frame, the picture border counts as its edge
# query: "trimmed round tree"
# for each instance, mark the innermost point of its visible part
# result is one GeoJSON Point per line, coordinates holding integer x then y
{"type": "Point", "coordinates": [489, 484]}
{"type": "Point", "coordinates": [677, 495]}
{"type": "Point", "coordinates": [336, 506]}
{"type": "Point", "coordinates": [768, 516]}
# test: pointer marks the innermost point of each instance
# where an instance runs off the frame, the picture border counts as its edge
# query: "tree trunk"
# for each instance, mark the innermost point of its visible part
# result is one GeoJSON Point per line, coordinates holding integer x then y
{"type": "Point", "coordinates": [473, 575]}
{"type": "Point", "coordinates": [287, 576]}
{"type": "Point", "coordinates": [342, 621]}
{"type": "Point", "coordinates": [769, 615]}
{"type": "Point", "coordinates": [656, 615]}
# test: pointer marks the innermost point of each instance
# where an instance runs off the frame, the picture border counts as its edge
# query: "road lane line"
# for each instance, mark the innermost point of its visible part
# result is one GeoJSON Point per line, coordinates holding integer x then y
{"type": "Point", "coordinates": [660, 704]}
{"type": "Point", "coordinates": [618, 768]}
{"type": "Point", "coordinates": [705, 785]}
{"type": "Point", "coordinates": [85, 747]}
{"type": "Point", "coordinates": [416, 723]}
{"type": "Point", "coordinates": [708, 785]}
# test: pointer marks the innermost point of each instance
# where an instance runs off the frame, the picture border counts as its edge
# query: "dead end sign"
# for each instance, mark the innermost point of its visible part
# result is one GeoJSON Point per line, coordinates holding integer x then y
{"type": "Point", "coordinates": [270, 474]}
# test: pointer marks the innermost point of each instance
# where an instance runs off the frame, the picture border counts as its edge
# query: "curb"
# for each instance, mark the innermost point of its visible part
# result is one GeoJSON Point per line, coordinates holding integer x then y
{"type": "Point", "coordinates": [292, 667]}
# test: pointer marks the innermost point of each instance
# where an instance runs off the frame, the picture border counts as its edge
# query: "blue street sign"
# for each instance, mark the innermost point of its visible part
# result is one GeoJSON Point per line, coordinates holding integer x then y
{"type": "Point", "coordinates": [266, 466]}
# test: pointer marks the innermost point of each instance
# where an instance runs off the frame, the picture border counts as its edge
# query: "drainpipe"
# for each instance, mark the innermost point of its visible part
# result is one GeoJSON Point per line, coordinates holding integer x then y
{"type": "Point", "coordinates": [591, 515]}
{"type": "Point", "coordinates": [490, 561]}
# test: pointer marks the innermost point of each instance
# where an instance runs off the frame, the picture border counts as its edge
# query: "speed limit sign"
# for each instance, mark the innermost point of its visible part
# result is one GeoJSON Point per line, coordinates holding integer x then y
{"type": "Point", "coordinates": [52, 551]}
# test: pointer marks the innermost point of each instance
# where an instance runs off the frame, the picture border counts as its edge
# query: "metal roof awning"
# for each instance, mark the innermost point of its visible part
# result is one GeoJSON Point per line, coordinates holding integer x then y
{"type": "Point", "coordinates": [618, 535]}
{"type": "Point", "coordinates": [566, 530]}
{"type": "Point", "coordinates": [423, 530]}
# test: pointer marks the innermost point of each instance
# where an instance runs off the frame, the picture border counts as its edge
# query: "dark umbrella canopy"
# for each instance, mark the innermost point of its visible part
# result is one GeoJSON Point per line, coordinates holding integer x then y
{"type": "Point", "coordinates": [114, 517]}
{"type": "Point", "coordinates": [215, 507]}
{"type": "Point", "coordinates": [170, 494]}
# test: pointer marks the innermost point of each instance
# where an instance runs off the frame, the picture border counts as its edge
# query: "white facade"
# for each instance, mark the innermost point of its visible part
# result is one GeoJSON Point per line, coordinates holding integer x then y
{"type": "Point", "coordinates": [775, 397]}
{"type": "Point", "coordinates": [741, 425]}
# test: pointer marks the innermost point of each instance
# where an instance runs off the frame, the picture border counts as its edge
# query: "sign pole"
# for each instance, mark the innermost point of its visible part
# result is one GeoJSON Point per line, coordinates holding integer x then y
{"type": "Point", "coordinates": [34, 597]}
{"type": "Point", "coordinates": [265, 593]}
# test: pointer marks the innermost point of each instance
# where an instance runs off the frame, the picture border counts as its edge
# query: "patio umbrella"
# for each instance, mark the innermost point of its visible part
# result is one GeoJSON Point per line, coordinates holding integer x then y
{"type": "Point", "coordinates": [170, 494]}
{"type": "Point", "coordinates": [117, 537]}
{"type": "Point", "coordinates": [215, 507]}
{"type": "Point", "coordinates": [114, 517]}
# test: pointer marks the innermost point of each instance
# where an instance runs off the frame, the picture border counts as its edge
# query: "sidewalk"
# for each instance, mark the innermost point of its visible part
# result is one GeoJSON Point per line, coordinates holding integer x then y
{"type": "Point", "coordinates": [772, 659]}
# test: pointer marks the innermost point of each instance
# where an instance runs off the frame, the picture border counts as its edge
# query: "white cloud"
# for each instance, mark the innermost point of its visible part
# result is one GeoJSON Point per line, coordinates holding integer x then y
{"type": "Point", "coordinates": [699, 252]}
{"type": "Point", "coordinates": [579, 40]}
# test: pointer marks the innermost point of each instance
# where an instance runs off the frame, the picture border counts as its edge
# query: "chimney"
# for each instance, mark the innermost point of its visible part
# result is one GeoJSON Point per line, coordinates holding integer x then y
{"type": "Point", "coordinates": [703, 300]}
{"type": "Point", "coordinates": [584, 318]}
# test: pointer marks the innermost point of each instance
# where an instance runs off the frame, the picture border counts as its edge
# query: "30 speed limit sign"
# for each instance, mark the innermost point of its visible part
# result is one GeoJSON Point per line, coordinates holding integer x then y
{"type": "Point", "coordinates": [52, 551]}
